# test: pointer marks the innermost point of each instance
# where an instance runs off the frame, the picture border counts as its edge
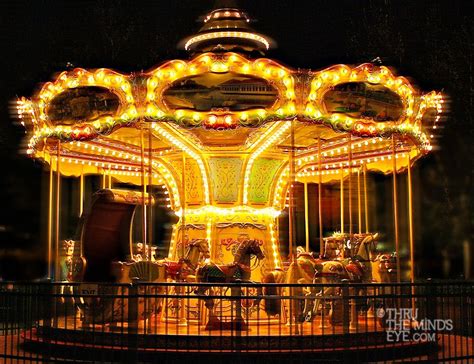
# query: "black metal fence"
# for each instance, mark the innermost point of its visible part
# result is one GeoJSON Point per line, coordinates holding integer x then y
{"type": "Point", "coordinates": [145, 322]}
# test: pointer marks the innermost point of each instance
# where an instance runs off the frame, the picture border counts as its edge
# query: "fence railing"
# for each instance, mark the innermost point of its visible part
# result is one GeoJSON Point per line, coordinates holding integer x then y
{"type": "Point", "coordinates": [140, 322]}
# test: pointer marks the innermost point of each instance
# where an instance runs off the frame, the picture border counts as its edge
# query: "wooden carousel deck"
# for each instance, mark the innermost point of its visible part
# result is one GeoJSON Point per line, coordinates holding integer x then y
{"type": "Point", "coordinates": [157, 326]}
{"type": "Point", "coordinates": [156, 336]}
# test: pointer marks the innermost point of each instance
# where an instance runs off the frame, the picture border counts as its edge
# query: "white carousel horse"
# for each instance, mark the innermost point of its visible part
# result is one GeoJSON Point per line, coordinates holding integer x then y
{"type": "Point", "coordinates": [355, 269]}
{"type": "Point", "coordinates": [300, 271]}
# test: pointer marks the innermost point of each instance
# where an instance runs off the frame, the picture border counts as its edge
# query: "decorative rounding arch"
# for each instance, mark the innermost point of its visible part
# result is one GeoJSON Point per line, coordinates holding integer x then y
{"type": "Point", "coordinates": [169, 179]}
{"type": "Point", "coordinates": [162, 77]}
{"type": "Point", "coordinates": [188, 150]}
{"type": "Point", "coordinates": [118, 84]}
{"type": "Point", "coordinates": [414, 106]}
{"type": "Point", "coordinates": [281, 187]}
{"type": "Point", "coordinates": [147, 102]}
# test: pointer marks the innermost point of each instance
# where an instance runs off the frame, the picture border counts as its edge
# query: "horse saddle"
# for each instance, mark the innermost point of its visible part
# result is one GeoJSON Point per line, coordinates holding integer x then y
{"type": "Point", "coordinates": [232, 270]}
{"type": "Point", "coordinates": [228, 270]}
{"type": "Point", "coordinates": [355, 268]}
{"type": "Point", "coordinates": [173, 269]}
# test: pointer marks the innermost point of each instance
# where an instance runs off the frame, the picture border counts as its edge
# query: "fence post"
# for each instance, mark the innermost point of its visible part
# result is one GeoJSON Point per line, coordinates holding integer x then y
{"type": "Point", "coordinates": [345, 306]}
{"type": "Point", "coordinates": [431, 299]}
{"type": "Point", "coordinates": [133, 306]}
{"type": "Point", "coordinates": [132, 297]}
{"type": "Point", "coordinates": [354, 320]}
{"type": "Point", "coordinates": [47, 301]}
{"type": "Point", "coordinates": [431, 312]}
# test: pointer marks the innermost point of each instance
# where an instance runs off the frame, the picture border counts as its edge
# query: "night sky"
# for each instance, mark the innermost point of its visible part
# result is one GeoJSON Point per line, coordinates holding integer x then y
{"type": "Point", "coordinates": [428, 41]}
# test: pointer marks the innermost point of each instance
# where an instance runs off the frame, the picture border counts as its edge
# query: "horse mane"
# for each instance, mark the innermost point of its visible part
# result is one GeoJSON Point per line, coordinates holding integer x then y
{"type": "Point", "coordinates": [196, 243]}
{"type": "Point", "coordinates": [363, 242]}
{"type": "Point", "coordinates": [241, 249]}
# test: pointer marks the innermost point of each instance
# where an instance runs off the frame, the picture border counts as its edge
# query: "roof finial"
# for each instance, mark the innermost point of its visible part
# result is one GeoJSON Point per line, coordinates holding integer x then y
{"type": "Point", "coordinates": [226, 28]}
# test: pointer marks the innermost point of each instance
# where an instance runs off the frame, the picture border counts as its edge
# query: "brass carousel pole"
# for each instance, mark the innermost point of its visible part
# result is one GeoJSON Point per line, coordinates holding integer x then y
{"type": "Point", "coordinates": [150, 197]}
{"type": "Point", "coordinates": [292, 248]}
{"type": "Point", "coordinates": [50, 219]}
{"type": "Point", "coordinates": [359, 207]}
{"type": "Point", "coordinates": [342, 205]}
{"type": "Point", "coordinates": [144, 215]}
{"type": "Point", "coordinates": [410, 230]}
{"type": "Point", "coordinates": [81, 193]}
{"type": "Point", "coordinates": [341, 198]}
{"type": "Point", "coordinates": [395, 207]}
{"type": "Point", "coordinates": [352, 302]}
{"type": "Point", "coordinates": [320, 209]}
{"type": "Point", "coordinates": [292, 183]}
{"type": "Point", "coordinates": [366, 203]}
{"type": "Point", "coordinates": [58, 196]}
{"type": "Point", "coordinates": [103, 178]}
{"type": "Point", "coordinates": [149, 254]}
{"type": "Point", "coordinates": [182, 308]}
{"type": "Point", "coordinates": [350, 188]}
{"type": "Point", "coordinates": [183, 207]}
{"type": "Point", "coordinates": [306, 216]}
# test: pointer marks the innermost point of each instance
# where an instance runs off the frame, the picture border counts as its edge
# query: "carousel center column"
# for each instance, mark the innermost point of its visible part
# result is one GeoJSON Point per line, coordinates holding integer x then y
{"type": "Point", "coordinates": [239, 207]}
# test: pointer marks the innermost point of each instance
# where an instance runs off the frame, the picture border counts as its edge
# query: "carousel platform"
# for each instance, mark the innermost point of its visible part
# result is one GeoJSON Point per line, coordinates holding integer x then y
{"type": "Point", "coordinates": [68, 339]}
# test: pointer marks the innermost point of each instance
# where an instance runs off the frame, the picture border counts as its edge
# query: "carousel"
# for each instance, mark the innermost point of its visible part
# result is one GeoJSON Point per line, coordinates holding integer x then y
{"type": "Point", "coordinates": [220, 141]}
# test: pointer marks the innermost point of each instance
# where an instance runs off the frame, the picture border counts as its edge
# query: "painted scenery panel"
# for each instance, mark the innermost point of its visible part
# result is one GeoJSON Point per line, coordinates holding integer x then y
{"type": "Point", "coordinates": [82, 104]}
{"type": "Point", "coordinates": [364, 100]}
{"type": "Point", "coordinates": [210, 91]}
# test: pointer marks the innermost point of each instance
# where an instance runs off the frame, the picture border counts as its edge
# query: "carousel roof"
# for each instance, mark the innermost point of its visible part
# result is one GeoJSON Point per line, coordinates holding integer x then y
{"type": "Point", "coordinates": [225, 103]}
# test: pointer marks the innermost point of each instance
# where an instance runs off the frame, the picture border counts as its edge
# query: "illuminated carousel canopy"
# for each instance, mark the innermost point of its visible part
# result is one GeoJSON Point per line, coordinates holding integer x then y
{"type": "Point", "coordinates": [226, 101]}
{"type": "Point", "coordinates": [222, 130]}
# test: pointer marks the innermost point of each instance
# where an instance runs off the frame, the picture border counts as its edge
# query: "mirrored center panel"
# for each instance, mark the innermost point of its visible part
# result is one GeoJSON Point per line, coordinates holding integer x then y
{"type": "Point", "coordinates": [228, 91]}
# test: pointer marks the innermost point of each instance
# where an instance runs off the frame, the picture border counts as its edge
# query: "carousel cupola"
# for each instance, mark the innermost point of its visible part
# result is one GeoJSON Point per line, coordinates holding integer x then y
{"type": "Point", "coordinates": [227, 29]}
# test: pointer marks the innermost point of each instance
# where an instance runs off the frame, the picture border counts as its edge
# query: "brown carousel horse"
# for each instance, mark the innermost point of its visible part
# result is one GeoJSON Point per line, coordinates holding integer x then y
{"type": "Point", "coordinates": [237, 272]}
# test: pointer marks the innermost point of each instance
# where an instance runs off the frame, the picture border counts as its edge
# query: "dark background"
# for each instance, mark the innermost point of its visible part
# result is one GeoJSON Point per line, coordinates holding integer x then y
{"type": "Point", "coordinates": [430, 41]}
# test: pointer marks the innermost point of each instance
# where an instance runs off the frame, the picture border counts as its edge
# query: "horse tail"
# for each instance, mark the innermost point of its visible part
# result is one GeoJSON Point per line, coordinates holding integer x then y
{"type": "Point", "coordinates": [272, 300]}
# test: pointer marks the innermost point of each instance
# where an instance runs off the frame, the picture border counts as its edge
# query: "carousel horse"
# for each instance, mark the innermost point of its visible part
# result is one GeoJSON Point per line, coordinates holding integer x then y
{"type": "Point", "coordinates": [237, 272]}
{"type": "Point", "coordinates": [197, 250]}
{"type": "Point", "coordinates": [184, 269]}
{"type": "Point", "coordinates": [296, 277]}
{"type": "Point", "coordinates": [307, 261]}
{"type": "Point", "coordinates": [300, 271]}
{"type": "Point", "coordinates": [149, 271]}
{"type": "Point", "coordinates": [356, 269]}
{"type": "Point", "coordinates": [384, 268]}
{"type": "Point", "coordinates": [336, 247]}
